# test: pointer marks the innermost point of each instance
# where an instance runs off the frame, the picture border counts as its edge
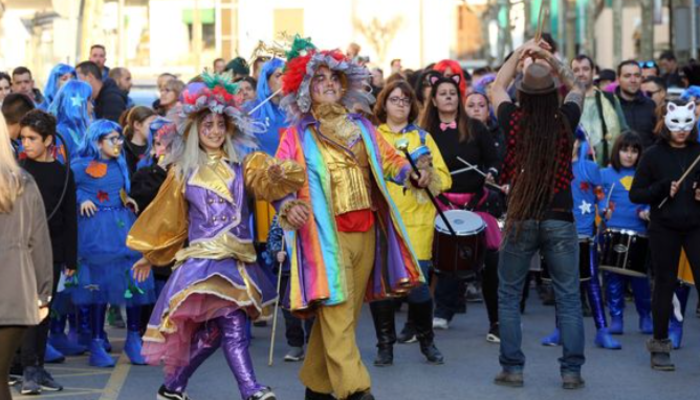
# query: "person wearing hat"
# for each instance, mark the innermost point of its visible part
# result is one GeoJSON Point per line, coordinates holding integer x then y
{"type": "Point", "coordinates": [539, 140]}
{"type": "Point", "coordinates": [238, 67]}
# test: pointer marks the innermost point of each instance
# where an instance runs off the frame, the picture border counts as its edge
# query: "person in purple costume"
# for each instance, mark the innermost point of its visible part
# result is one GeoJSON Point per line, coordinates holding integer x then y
{"type": "Point", "coordinates": [216, 284]}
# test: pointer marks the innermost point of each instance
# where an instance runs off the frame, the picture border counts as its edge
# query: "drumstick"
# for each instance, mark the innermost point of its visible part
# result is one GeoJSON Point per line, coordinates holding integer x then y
{"type": "Point", "coordinates": [607, 202]}
{"type": "Point", "coordinates": [262, 103]}
{"type": "Point", "coordinates": [685, 174]}
{"type": "Point", "coordinates": [471, 167]}
{"type": "Point", "coordinates": [402, 145]}
{"type": "Point", "coordinates": [544, 11]}
{"type": "Point", "coordinates": [277, 307]}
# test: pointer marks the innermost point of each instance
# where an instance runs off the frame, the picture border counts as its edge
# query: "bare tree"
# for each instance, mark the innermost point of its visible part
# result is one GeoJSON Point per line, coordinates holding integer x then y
{"type": "Point", "coordinates": [379, 35]}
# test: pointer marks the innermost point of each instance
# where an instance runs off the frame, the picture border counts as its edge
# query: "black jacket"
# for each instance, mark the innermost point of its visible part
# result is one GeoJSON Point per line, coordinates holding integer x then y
{"type": "Point", "coordinates": [660, 165]}
{"type": "Point", "coordinates": [640, 115]}
{"type": "Point", "coordinates": [111, 102]}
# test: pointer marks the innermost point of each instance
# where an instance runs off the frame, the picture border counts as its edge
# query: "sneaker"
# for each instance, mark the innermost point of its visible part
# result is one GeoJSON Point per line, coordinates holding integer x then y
{"type": "Point", "coordinates": [265, 394]}
{"type": "Point", "coordinates": [494, 335]}
{"type": "Point", "coordinates": [13, 380]}
{"type": "Point", "coordinates": [441, 323]}
{"type": "Point", "coordinates": [165, 394]}
{"type": "Point", "coordinates": [30, 382]}
{"type": "Point", "coordinates": [554, 339]}
{"type": "Point", "coordinates": [53, 356]}
{"type": "Point", "coordinates": [572, 381]}
{"type": "Point", "coordinates": [473, 294]}
{"type": "Point", "coordinates": [510, 379]}
{"type": "Point", "coordinates": [46, 381]}
{"type": "Point", "coordinates": [294, 354]}
{"type": "Point", "coordinates": [407, 335]}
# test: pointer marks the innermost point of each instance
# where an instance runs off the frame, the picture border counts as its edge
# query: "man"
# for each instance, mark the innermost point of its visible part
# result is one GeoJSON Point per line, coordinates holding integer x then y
{"type": "Point", "coordinates": [601, 132]}
{"type": "Point", "coordinates": [219, 65]}
{"type": "Point", "coordinates": [122, 77]}
{"type": "Point", "coordinates": [110, 101]}
{"type": "Point", "coordinates": [98, 55]}
{"type": "Point", "coordinates": [338, 223]}
{"type": "Point", "coordinates": [239, 67]}
{"type": "Point", "coordinates": [14, 108]}
{"type": "Point", "coordinates": [23, 82]}
{"type": "Point", "coordinates": [654, 87]}
{"type": "Point", "coordinates": [669, 69]}
{"type": "Point", "coordinates": [396, 67]}
{"type": "Point", "coordinates": [538, 168]}
{"type": "Point", "coordinates": [638, 109]}
{"type": "Point", "coordinates": [353, 51]}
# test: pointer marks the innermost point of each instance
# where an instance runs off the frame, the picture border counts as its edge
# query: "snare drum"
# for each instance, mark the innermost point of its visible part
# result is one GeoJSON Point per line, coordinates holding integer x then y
{"type": "Point", "coordinates": [584, 260]}
{"type": "Point", "coordinates": [685, 274]}
{"type": "Point", "coordinates": [461, 255]}
{"type": "Point", "coordinates": [624, 252]}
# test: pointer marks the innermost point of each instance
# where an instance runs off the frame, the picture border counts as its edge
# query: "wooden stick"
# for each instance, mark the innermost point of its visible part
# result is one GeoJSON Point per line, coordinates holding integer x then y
{"type": "Point", "coordinates": [277, 307]}
{"type": "Point", "coordinates": [685, 175]}
{"type": "Point", "coordinates": [471, 167]}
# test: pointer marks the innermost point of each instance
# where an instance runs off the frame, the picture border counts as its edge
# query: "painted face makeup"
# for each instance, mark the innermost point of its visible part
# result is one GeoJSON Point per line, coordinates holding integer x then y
{"type": "Point", "coordinates": [326, 86]}
{"type": "Point", "coordinates": [212, 132]}
{"type": "Point", "coordinates": [111, 145]}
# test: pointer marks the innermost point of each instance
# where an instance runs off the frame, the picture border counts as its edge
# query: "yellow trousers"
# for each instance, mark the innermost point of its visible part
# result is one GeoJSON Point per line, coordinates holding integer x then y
{"type": "Point", "coordinates": [333, 363]}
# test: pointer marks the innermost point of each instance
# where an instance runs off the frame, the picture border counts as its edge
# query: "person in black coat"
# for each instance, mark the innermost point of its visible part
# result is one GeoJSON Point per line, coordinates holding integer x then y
{"type": "Point", "coordinates": [675, 215]}
{"type": "Point", "coordinates": [110, 101]}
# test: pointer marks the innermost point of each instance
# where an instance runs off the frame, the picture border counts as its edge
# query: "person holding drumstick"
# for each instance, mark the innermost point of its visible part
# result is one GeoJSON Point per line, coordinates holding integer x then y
{"type": "Point", "coordinates": [623, 215]}
{"type": "Point", "coordinates": [466, 145]}
{"type": "Point", "coordinates": [667, 179]}
{"type": "Point", "coordinates": [539, 140]}
{"type": "Point", "coordinates": [396, 107]}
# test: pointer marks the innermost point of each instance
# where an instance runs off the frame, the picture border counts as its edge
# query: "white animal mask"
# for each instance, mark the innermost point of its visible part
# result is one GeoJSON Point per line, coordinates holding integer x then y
{"type": "Point", "coordinates": [680, 118]}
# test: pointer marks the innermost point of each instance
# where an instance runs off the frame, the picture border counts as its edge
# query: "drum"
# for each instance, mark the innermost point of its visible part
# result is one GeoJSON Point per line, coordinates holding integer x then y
{"type": "Point", "coordinates": [685, 274]}
{"type": "Point", "coordinates": [624, 252]}
{"type": "Point", "coordinates": [461, 255]}
{"type": "Point", "coordinates": [584, 261]}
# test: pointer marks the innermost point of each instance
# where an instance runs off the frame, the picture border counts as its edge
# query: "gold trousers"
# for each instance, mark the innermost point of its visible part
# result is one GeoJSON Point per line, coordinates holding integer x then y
{"type": "Point", "coordinates": [333, 363]}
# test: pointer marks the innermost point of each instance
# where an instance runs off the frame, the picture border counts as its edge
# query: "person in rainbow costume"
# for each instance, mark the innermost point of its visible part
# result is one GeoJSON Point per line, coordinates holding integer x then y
{"type": "Point", "coordinates": [348, 241]}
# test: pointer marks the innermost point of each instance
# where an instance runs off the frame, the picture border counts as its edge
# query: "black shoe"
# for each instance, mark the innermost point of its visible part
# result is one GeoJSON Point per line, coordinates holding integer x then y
{"type": "Point", "coordinates": [30, 382]}
{"type": "Point", "coordinates": [408, 333]}
{"type": "Point", "coordinates": [431, 353]}
{"type": "Point", "coordinates": [473, 293]}
{"type": "Point", "coordinates": [265, 394]}
{"type": "Point", "coordinates": [311, 395]}
{"type": "Point", "coordinates": [13, 380]}
{"type": "Point", "coordinates": [572, 381]}
{"type": "Point", "coordinates": [385, 357]}
{"type": "Point", "coordinates": [46, 381]}
{"type": "Point", "coordinates": [165, 394]}
{"type": "Point", "coordinates": [361, 396]}
{"type": "Point", "coordinates": [661, 354]}
{"type": "Point", "coordinates": [510, 379]}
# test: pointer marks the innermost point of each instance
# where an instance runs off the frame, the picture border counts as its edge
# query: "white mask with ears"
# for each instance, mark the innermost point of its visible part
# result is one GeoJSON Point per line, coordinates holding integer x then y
{"type": "Point", "coordinates": [680, 118]}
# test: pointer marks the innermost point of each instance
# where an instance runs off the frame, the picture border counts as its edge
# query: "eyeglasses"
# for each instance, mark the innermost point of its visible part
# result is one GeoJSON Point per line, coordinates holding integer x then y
{"type": "Point", "coordinates": [400, 101]}
{"type": "Point", "coordinates": [650, 93]}
{"type": "Point", "coordinates": [115, 139]}
{"type": "Point", "coordinates": [647, 64]}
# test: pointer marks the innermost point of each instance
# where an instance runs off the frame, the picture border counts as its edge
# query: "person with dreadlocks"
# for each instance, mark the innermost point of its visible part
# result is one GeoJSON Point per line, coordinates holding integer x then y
{"type": "Point", "coordinates": [349, 242]}
{"type": "Point", "coordinates": [199, 220]}
{"type": "Point", "coordinates": [539, 140]}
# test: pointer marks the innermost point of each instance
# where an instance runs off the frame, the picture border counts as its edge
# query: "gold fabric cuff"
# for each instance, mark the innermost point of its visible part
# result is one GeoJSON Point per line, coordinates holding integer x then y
{"type": "Point", "coordinates": [284, 223]}
{"type": "Point", "coordinates": [435, 186]}
{"type": "Point", "coordinates": [271, 179]}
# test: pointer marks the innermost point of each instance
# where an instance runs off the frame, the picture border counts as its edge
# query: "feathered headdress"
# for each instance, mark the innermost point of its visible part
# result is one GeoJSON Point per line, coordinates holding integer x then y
{"type": "Point", "coordinates": [303, 59]}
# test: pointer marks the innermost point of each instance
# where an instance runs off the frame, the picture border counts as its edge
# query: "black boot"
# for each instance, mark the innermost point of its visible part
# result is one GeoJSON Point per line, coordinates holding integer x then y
{"type": "Point", "coordinates": [408, 333]}
{"type": "Point", "coordinates": [311, 395]}
{"type": "Point", "coordinates": [383, 316]}
{"type": "Point", "coordinates": [660, 354]}
{"type": "Point", "coordinates": [424, 332]}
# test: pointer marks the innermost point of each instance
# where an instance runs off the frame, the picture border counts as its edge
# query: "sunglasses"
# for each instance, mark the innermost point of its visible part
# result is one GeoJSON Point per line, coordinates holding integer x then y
{"type": "Point", "coordinates": [647, 64]}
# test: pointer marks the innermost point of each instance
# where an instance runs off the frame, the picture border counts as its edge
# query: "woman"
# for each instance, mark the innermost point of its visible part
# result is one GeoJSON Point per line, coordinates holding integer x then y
{"type": "Point", "coordinates": [623, 215]}
{"type": "Point", "coordinates": [450, 68]}
{"type": "Point", "coordinates": [26, 279]}
{"type": "Point", "coordinates": [106, 215]}
{"type": "Point", "coordinates": [135, 123]}
{"type": "Point", "coordinates": [396, 107]}
{"type": "Point", "coordinates": [5, 86]}
{"type": "Point", "coordinates": [216, 285]}
{"type": "Point", "coordinates": [247, 87]}
{"type": "Point", "coordinates": [460, 137]}
{"type": "Point", "coordinates": [169, 94]}
{"type": "Point", "coordinates": [674, 216]}
{"type": "Point", "coordinates": [60, 74]}
{"type": "Point", "coordinates": [72, 108]}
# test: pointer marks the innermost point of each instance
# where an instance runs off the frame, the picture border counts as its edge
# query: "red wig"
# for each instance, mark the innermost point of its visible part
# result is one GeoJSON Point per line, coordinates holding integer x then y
{"type": "Point", "coordinates": [443, 65]}
{"type": "Point", "coordinates": [295, 70]}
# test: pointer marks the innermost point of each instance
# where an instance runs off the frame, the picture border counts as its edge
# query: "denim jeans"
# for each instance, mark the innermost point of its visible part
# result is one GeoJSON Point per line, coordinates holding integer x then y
{"type": "Point", "coordinates": [557, 241]}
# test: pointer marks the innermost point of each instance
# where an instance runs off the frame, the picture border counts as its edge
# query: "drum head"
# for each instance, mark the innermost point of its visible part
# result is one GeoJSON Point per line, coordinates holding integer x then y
{"type": "Point", "coordinates": [464, 223]}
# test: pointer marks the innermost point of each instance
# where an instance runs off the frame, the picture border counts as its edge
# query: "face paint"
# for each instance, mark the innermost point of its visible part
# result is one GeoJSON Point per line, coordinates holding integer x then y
{"type": "Point", "coordinates": [680, 118]}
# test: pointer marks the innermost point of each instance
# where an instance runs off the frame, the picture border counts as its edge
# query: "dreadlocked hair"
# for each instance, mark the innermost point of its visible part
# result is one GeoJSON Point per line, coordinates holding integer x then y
{"type": "Point", "coordinates": [541, 128]}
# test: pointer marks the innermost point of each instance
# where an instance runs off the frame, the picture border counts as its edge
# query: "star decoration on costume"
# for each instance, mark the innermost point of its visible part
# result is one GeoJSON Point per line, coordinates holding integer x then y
{"type": "Point", "coordinates": [102, 196]}
{"type": "Point", "coordinates": [585, 186]}
{"type": "Point", "coordinates": [585, 207]}
{"type": "Point", "coordinates": [76, 101]}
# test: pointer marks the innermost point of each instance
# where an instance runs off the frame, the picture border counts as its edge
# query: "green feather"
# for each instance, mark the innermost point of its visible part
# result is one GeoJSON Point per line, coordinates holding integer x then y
{"type": "Point", "coordinates": [300, 46]}
{"type": "Point", "coordinates": [212, 80]}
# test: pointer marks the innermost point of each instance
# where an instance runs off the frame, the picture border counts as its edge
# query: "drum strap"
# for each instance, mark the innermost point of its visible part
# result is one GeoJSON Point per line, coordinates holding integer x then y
{"type": "Point", "coordinates": [476, 201]}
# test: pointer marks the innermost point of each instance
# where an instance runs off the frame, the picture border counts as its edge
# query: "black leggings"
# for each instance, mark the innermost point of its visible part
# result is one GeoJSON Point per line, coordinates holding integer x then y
{"type": "Point", "coordinates": [34, 344]}
{"type": "Point", "coordinates": [10, 340]}
{"type": "Point", "coordinates": [666, 246]}
{"type": "Point", "coordinates": [489, 285]}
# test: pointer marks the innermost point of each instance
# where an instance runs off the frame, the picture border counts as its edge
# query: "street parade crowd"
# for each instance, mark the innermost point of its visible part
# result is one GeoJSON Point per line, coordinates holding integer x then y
{"type": "Point", "coordinates": [308, 180]}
